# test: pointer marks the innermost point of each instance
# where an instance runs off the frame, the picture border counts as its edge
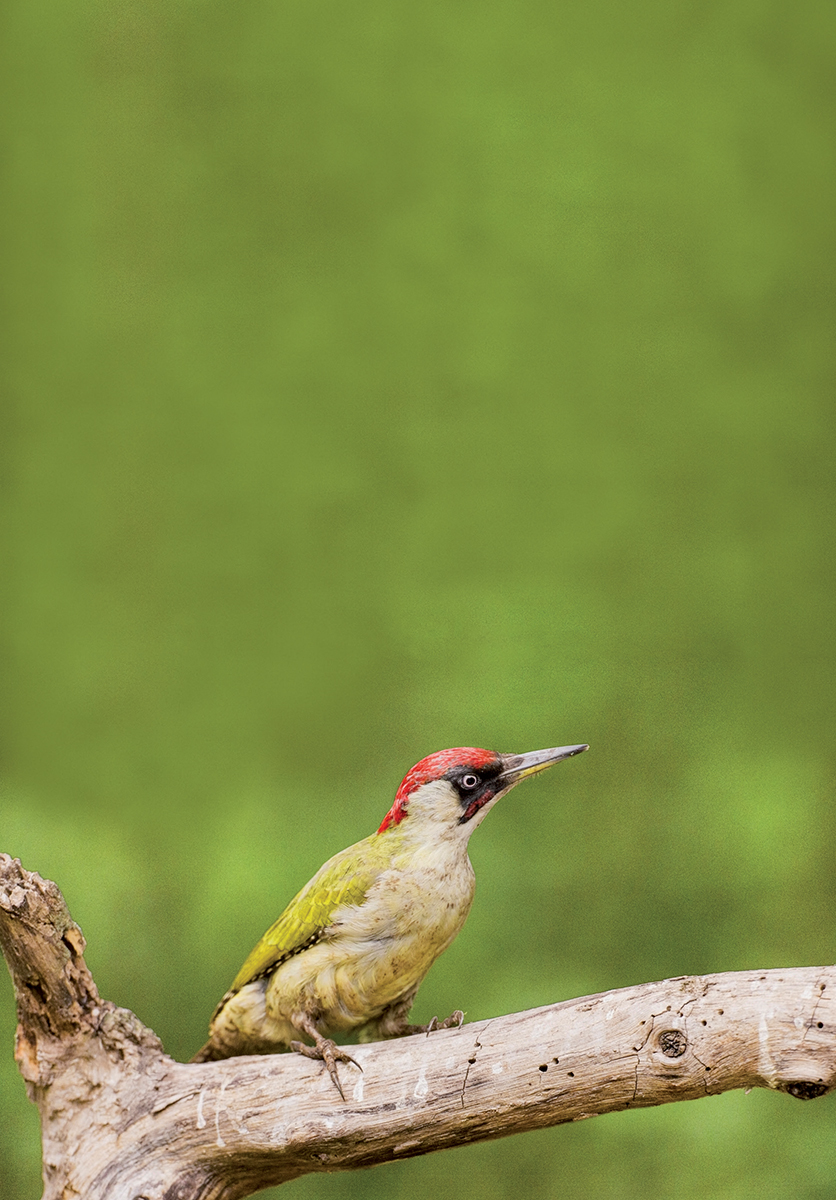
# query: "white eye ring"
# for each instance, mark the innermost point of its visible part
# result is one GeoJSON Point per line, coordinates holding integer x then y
{"type": "Point", "coordinates": [469, 781]}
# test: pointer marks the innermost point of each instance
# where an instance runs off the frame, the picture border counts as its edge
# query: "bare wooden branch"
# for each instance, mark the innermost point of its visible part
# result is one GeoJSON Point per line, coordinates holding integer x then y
{"type": "Point", "coordinates": [122, 1120]}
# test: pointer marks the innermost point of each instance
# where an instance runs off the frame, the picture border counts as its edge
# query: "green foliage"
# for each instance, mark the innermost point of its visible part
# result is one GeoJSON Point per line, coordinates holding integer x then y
{"type": "Point", "coordinates": [387, 379]}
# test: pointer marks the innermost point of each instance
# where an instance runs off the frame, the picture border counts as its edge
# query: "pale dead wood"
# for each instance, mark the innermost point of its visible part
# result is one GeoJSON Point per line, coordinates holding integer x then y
{"type": "Point", "coordinates": [122, 1120]}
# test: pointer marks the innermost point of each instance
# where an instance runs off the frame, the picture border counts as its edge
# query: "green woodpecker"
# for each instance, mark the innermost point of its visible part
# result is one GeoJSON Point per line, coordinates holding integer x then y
{"type": "Point", "coordinates": [349, 951]}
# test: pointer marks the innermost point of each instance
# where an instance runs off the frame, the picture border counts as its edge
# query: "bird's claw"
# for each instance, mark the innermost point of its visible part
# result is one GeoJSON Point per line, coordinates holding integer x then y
{"type": "Point", "coordinates": [454, 1021]}
{"type": "Point", "coordinates": [327, 1052]}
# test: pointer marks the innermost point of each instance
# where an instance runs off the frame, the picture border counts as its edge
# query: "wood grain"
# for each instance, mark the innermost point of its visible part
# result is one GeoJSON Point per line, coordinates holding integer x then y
{"type": "Point", "coordinates": [122, 1120]}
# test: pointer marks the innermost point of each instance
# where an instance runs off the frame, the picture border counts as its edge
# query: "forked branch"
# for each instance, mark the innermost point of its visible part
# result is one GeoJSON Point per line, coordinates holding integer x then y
{"type": "Point", "coordinates": [122, 1120]}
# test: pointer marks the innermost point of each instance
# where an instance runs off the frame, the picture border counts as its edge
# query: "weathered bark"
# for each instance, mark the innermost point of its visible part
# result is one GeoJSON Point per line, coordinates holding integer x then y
{"type": "Point", "coordinates": [122, 1120]}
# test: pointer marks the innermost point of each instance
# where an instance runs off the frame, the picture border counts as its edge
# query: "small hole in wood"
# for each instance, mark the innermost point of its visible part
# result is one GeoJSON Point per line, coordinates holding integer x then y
{"type": "Point", "coordinates": [571, 1074]}
{"type": "Point", "coordinates": [543, 1067]}
{"type": "Point", "coordinates": [804, 1090]}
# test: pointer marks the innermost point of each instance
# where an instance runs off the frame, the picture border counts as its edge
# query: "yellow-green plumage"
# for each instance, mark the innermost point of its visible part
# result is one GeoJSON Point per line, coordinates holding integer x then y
{"type": "Point", "coordinates": [351, 948]}
{"type": "Point", "coordinates": [344, 879]}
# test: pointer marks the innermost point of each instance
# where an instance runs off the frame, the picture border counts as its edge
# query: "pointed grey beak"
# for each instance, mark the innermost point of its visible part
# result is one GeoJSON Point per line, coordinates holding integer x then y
{"type": "Point", "coordinates": [519, 766]}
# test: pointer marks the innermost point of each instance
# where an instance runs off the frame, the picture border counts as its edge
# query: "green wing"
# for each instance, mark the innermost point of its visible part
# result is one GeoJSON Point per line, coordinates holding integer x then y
{"type": "Point", "coordinates": [344, 879]}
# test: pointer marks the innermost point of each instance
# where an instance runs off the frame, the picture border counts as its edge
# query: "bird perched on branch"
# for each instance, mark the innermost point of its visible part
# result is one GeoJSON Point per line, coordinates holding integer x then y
{"type": "Point", "coordinates": [349, 951]}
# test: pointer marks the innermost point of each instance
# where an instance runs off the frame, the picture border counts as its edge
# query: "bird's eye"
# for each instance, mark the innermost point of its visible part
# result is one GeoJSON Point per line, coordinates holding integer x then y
{"type": "Point", "coordinates": [470, 781]}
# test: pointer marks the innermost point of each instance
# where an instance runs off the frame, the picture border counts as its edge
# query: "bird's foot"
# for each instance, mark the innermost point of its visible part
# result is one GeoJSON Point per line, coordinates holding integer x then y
{"type": "Point", "coordinates": [454, 1021]}
{"type": "Point", "coordinates": [328, 1052]}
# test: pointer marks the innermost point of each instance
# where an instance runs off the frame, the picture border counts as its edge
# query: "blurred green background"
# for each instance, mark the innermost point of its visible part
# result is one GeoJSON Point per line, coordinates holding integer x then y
{"type": "Point", "coordinates": [384, 378]}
